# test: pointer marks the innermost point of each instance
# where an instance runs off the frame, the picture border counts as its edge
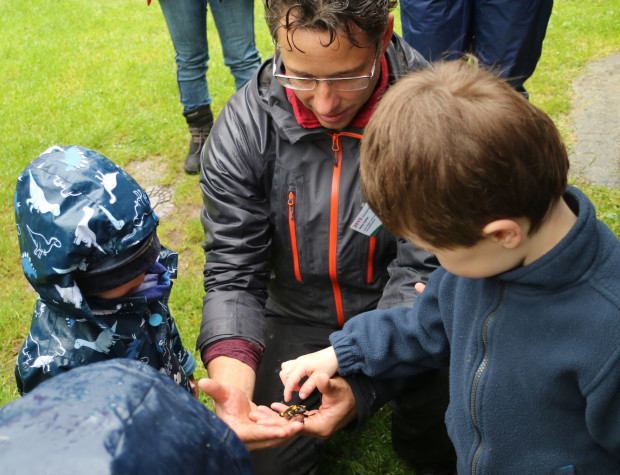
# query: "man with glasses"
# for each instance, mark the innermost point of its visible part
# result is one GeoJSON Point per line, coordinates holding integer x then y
{"type": "Point", "coordinates": [291, 250]}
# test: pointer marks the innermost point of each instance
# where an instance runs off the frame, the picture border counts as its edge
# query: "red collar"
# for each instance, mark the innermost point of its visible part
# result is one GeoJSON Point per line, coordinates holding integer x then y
{"type": "Point", "coordinates": [308, 120]}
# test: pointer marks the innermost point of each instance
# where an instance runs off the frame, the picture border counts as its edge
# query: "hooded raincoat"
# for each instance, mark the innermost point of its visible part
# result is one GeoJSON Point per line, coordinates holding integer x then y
{"type": "Point", "coordinates": [76, 210]}
{"type": "Point", "coordinates": [116, 417]}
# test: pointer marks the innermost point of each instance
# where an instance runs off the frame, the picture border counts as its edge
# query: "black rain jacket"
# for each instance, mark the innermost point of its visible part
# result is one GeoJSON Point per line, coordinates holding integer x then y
{"type": "Point", "coordinates": [279, 201]}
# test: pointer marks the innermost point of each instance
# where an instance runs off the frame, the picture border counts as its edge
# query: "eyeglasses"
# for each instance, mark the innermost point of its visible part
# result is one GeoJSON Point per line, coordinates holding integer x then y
{"type": "Point", "coordinates": [356, 83]}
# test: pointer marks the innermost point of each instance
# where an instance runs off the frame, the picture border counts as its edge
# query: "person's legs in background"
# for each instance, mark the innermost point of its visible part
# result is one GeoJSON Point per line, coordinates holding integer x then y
{"type": "Point", "coordinates": [508, 37]}
{"type": "Point", "coordinates": [438, 29]}
{"type": "Point", "coordinates": [234, 20]}
{"type": "Point", "coordinates": [187, 24]}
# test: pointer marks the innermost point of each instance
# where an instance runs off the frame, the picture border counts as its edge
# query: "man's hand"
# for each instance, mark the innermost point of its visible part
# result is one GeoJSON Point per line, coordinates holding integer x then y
{"type": "Point", "coordinates": [337, 409]}
{"type": "Point", "coordinates": [234, 408]}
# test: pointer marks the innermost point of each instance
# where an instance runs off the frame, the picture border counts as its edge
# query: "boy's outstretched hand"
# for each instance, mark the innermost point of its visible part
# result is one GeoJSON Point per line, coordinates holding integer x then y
{"type": "Point", "coordinates": [309, 365]}
{"type": "Point", "coordinates": [235, 409]}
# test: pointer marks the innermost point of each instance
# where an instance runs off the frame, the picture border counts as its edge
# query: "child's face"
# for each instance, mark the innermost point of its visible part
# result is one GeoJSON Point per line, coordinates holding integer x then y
{"type": "Point", "coordinates": [486, 258]}
{"type": "Point", "coordinates": [125, 290]}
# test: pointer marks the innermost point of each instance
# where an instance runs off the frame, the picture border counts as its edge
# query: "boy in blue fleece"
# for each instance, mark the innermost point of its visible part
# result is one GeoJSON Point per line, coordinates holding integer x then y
{"type": "Point", "coordinates": [89, 248]}
{"type": "Point", "coordinates": [525, 309]}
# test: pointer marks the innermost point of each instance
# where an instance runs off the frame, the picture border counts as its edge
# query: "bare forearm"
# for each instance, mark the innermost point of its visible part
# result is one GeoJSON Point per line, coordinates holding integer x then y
{"type": "Point", "coordinates": [233, 372]}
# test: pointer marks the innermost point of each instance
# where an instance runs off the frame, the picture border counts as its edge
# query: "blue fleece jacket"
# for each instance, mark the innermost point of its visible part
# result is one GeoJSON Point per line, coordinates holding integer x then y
{"type": "Point", "coordinates": [534, 355]}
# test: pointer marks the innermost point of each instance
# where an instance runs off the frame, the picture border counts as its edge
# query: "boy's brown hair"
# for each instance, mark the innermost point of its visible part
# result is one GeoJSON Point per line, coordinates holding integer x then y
{"type": "Point", "coordinates": [452, 148]}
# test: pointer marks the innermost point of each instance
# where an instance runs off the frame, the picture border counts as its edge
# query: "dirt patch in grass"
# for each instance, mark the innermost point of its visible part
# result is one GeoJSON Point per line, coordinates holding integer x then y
{"type": "Point", "coordinates": [149, 174]}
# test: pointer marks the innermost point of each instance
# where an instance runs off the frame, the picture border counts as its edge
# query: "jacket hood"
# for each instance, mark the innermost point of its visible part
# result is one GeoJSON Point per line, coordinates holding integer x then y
{"type": "Point", "coordinates": [73, 209]}
{"type": "Point", "coordinates": [118, 416]}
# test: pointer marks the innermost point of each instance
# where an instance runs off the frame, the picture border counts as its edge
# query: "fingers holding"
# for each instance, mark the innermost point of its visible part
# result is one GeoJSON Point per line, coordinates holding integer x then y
{"type": "Point", "coordinates": [291, 375]}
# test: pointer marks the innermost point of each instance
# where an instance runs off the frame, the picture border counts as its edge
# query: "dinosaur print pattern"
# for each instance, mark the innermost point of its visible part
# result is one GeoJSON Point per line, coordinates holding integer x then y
{"type": "Point", "coordinates": [83, 233]}
{"type": "Point", "coordinates": [65, 190]}
{"type": "Point", "coordinates": [39, 309]}
{"type": "Point", "coordinates": [117, 223]}
{"type": "Point", "coordinates": [108, 180]}
{"type": "Point", "coordinates": [38, 201]}
{"type": "Point", "coordinates": [29, 271]}
{"type": "Point", "coordinates": [71, 295]}
{"type": "Point", "coordinates": [41, 361]}
{"type": "Point", "coordinates": [83, 265]}
{"type": "Point", "coordinates": [140, 203]}
{"type": "Point", "coordinates": [74, 159]}
{"type": "Point", "coordinates": [42, 245]}
{"type": "Point", "coordinates": [102, 344]}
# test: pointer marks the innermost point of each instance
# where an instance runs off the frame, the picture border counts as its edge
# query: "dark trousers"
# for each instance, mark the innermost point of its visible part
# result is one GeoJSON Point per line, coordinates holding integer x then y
{"type": "Point", "coordinates": [506, 35]}
{"type": "Point", "coordinates": [418, 429]}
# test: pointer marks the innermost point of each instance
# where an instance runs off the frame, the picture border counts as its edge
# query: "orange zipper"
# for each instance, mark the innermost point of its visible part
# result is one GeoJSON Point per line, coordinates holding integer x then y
{"type": "Point", "coordinates": [333, 223]}
{"type": "Point", "coordinates": [371, 255]}
{"type": "Point", "coordinates": [291, 227]}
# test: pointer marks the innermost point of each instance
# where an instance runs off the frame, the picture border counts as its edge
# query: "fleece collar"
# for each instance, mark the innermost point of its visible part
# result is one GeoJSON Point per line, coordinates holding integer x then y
{"type": "Point", "coordinates": [308, 120]}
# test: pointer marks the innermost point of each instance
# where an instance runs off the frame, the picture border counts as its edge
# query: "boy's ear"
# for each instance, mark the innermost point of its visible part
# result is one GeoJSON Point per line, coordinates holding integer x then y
{"type": "Point", "coordinates": [506, 232]}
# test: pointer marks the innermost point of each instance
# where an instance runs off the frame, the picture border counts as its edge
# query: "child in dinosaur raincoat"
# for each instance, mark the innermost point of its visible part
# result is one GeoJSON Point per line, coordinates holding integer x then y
{"type": "Point", "coordinates": [89, 247]}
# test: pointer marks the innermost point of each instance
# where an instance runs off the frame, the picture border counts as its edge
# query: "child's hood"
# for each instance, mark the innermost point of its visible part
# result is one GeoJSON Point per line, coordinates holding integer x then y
{"type": "Point", "coordinates": [73, 208]}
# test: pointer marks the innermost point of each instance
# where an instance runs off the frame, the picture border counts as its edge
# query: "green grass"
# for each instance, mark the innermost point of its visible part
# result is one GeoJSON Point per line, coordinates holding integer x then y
{"type": "Point", "coordinates": [102, 75]}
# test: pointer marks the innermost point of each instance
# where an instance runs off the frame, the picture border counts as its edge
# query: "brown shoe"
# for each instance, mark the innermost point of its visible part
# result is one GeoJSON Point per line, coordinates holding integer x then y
{"type": "Point", "coordinates": [200, 122]}
{"type": "Point", "coordinates": [199, 137]}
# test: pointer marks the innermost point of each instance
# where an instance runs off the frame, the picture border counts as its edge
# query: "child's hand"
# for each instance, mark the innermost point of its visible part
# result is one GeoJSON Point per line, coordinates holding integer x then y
{"type": "Point", "coordinates": [293, 371]}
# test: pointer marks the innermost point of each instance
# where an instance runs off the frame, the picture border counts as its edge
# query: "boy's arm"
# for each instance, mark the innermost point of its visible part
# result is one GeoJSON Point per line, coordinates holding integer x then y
{"type": "Point", "coordinates": [386, 343]}
{"type": "Point", "coordinates": [395, 343]}
{"type": "Point", "coordinates": [307, 365]}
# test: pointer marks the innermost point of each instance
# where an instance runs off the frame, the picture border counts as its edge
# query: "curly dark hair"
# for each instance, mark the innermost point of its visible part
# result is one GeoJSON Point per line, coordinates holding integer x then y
{"type": "Point", "coordinates": [332, 16]}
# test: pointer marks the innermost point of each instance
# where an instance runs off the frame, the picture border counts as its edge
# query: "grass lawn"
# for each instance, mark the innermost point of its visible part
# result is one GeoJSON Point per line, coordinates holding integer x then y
{"type": "Point", "coordinates": [102, 75]}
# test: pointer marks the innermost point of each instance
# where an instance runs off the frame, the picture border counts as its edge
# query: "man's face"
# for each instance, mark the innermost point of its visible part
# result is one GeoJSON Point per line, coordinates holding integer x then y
{"type": "Point", "coordinates": [309, 58]}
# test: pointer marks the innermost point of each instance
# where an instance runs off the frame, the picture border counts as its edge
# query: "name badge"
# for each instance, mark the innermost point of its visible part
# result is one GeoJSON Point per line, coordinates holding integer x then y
{"type": "Point", "coordinates": [366, 222]}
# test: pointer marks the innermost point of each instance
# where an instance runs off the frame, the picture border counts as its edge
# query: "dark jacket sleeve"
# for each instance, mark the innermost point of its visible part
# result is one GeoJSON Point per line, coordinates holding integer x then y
{"type": "Point", "coordinates": [235, 218]}
{"type": "Point", "coordinates": [395, 343]}
{"type": "Point", "coordinates": [411, 265]}
{"type": "Point", "coordinates": [370, 395]}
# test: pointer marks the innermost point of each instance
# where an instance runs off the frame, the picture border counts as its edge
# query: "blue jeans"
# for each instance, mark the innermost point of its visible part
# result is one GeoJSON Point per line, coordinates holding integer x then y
{"type": "Point", "coordinates": [187, 24]}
